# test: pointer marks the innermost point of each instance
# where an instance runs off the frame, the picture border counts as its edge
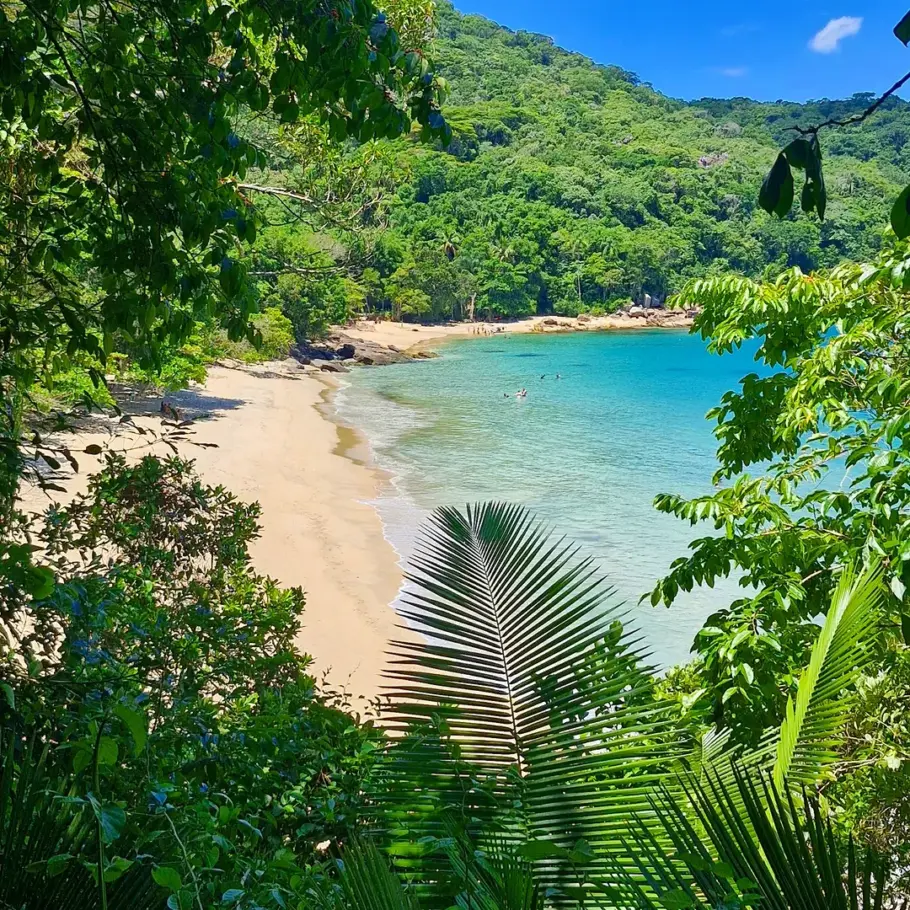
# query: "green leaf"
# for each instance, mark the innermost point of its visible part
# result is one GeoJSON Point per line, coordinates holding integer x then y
{"type": "Point", "coordinates": [232, 896]}
{"type": "Point", "coordinates": [135, 721]}
{"type": "Point", "coordinates": [677, 899]}
{"type": "Point", "coordinates": [82, 757]}
{"type": "Point", "coordinates": [776, 194]}
{"type": "Point", "coordinates": [902, 30]}
{"type": "Point", "coordinates": [112, 819]}
{"type": "Point", "coordinates": [167, 877]}
{"type": "Point", "coordinates": [900, 214]}
{"type": "Point", "coordinates": [540, 849]}
{"type": "Point", "coordinates": [798, 153]}
{"type": "Point", "coordinates": [808, 735]}
{"type": "Point", "coordinates": [9, 694]}
{"type": "Point", "coordinates": [107, 751]}
{"type": "Point", "coordinates": [116, 868]}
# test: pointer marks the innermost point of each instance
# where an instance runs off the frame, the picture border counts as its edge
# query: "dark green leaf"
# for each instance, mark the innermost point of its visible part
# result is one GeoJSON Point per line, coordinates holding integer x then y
{"type": "Point", "coordinates": [900, 214]}
{"type": "Point", "coordinates": [776, 194]}
{"type": "Point", "coordinates": [167, 877]}
{"type": "Point", "coordinates": [902, 29]}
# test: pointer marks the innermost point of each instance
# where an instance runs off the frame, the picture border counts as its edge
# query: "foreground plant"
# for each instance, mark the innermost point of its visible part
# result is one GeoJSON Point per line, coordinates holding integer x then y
{"type": "Point", "coordinates": [164, 676]}
{"type": "Point", "coordinates": [823, 422]}
{"type": "Point", "coordinates": [530, 734]}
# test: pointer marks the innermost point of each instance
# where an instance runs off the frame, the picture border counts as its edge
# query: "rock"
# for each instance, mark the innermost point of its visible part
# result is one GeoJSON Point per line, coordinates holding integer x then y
{"type": "Point", "coordinates": [346, 351]}
{"type": "Point", "coordinates": [333, 368]}
{"type": "Point", "coordinates": [365, 360]}
{"type": "Point", "coordinates": [584, 317]}
{"type": "Point", "coordinates": [636, 311]}
{"type": "Point", "coordinates": [392, 347]}
{"type": "Point", "coordinates": [350, 361]}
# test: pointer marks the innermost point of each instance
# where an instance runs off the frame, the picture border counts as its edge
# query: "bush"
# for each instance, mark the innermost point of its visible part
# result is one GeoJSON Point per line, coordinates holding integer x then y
{"type": "Point", "coordinates": [159, 654]}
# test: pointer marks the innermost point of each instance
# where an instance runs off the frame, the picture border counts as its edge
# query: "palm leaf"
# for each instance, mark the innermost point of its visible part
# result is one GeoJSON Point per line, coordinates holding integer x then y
{"type": "Point", "coordinates": [527, 699]}
{"type": "Point", "coordinates": [785, 858]}
{"type": "Point", "coordinates": [43, 842]}
{"type": "Point", "coordinates": [808, 735]}
{"type": "Point", "coordinates": [365, 882]}
{"type": "Point", "coordinates": [495, 878]}
{"type": "Point", "coordinates": [799, 751]}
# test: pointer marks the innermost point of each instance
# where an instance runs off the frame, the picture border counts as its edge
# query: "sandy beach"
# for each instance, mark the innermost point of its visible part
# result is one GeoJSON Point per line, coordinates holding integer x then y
{"type": "Point", "coordinates": [407, 336]}
{"type": "Point", "coordinates": [277, 446]}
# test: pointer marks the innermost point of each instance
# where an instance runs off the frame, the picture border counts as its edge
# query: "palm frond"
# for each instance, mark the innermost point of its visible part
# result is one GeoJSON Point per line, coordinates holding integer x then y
{"type": "Point", "coordinates": [495, 878]}
{"type": "Point", "coordinates": [527, 693]}
{"type": "Point", "coordinates": [44, 842]}
{"type": "Point", "coordinates": [808, 736]}
{"type": "Point", "coordinates": [365, 882]}
{"type": "Point", "coordinates": [785, 858]}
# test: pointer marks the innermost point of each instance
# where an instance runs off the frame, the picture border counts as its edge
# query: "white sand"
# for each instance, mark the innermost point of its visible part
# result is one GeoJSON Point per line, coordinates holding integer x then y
{"type": "Point", "coordinates": [275, 446]}
{"type": "Point", "coordinates": [405, 336]}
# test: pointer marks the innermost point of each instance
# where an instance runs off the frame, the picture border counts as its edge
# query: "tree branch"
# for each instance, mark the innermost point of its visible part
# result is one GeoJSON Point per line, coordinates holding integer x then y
{"type": "Point", "coordinates": [855, 118]}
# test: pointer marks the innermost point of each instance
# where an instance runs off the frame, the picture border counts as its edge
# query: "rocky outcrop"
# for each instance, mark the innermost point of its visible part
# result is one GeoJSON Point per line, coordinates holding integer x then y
{"type": "Point", "coordinates": [345, 351]}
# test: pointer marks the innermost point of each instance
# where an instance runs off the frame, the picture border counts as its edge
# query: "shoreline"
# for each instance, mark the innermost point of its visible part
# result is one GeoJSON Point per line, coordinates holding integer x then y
{"type": "Point", "coordinates": [279, 443]}
{"type": "Point", "coordinates": [411, 338]}
{"type": "Point", "coordinates": [279, 440]}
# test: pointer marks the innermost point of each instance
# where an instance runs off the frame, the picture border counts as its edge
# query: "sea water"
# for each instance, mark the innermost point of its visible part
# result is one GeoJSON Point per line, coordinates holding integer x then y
{"type": "Point", "coordinates": [587, 451]}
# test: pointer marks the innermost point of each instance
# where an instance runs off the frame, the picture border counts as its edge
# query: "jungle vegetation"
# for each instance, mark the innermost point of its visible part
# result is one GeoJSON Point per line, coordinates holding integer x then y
{"type": "Point", "coordinates": [164, 743]}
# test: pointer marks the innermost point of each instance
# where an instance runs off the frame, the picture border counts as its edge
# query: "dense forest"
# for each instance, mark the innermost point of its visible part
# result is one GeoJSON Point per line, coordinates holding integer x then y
{"type": "Point", "coordinates": [180, 179]}
{"type": "Point", "coordinates": [572, 187]}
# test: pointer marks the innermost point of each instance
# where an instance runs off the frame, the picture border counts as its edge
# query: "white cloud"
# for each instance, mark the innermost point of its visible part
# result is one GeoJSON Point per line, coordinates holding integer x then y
{"type": "Point", "coordinates": [733, 72]}
{"type": "Point", "coordinates": [828, 39]}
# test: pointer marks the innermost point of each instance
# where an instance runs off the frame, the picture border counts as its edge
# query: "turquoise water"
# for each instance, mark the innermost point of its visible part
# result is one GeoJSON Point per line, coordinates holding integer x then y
{"type": "Point", "coordinates": [588, 452]}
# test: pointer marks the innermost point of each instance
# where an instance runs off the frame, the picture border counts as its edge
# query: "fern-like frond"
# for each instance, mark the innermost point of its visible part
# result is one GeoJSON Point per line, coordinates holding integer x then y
{"type": "Point", "coordinates": [808, 736]}
{"type": "Point", "coordinates": [527, 693]}
{"type": "Point", "coordinates": [785, 858]}
{"type": "Point", "coordinates": [44, 842]}
{"type": "Point", "coordinates": [365, 882]}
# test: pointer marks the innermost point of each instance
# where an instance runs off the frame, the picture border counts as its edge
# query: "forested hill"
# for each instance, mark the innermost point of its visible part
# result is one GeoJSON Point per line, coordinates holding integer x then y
{"type": "Point", "coordinates": [570, 185]}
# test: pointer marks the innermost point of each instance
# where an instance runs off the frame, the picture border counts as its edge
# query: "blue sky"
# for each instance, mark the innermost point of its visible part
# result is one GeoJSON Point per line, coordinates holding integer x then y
{"type": "Point", "coordinates": [758, 49]}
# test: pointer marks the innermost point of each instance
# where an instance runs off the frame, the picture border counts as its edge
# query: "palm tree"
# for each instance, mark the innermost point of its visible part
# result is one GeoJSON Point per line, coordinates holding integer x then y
{"type": "Point", "coordinates": [528, 719]}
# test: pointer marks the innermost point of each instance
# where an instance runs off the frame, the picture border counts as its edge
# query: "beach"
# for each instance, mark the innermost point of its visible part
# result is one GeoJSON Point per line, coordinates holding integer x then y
{"type": "Point", "coordinates": [278, 442]}
{"type": "Point", "coordinates": [406, 336]}
{"type": "Point", "coordinates": [277, 445]}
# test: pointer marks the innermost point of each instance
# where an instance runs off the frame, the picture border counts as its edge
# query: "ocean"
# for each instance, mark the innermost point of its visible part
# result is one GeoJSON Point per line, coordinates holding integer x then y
{"type": "Point", "coordinates": [587, 452]}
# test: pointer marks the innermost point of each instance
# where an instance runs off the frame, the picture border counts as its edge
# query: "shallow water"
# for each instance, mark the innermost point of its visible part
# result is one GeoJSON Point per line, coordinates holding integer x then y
{"type": "Point", "coordinates": [587, 452]}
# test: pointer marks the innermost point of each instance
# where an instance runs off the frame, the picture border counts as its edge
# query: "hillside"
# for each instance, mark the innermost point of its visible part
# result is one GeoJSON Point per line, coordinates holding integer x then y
{"type": "Point", "coordinates": [571, 186]}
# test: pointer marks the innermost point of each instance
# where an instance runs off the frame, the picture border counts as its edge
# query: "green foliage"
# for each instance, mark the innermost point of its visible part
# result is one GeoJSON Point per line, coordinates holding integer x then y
{"type": "Point", "coordinates": [770, 854]}
{"type": "Point", "coordinates": [570, 187]}
{"type": "Point", "coordinates": [823, 420]}
{"type": "Point", "coordinates": [526, 711]}
{"type": "Point", "coordinates": [49, 852]}
{"type": "Point", "coordinates": [815, 718]}
{"type": "Point", "coordinates": [160, 659]}
{"type": "Point", "coordinates": [127, 163]}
